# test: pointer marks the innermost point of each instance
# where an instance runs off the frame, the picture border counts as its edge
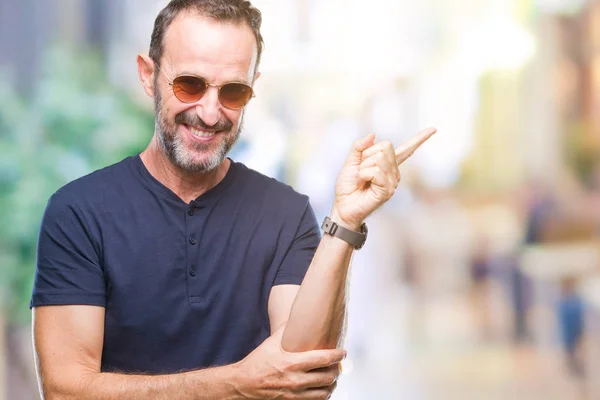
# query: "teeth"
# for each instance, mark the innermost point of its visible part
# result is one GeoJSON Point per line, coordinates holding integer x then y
{"type": "Point", "coordinates": [201, 133]}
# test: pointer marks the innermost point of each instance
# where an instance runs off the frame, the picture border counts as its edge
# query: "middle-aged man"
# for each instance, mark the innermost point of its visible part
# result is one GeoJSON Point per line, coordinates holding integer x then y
{"type": "Point", "coordinates": [178, 273]}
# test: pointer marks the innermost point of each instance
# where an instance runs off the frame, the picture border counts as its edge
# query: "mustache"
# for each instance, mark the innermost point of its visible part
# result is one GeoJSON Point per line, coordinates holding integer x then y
{"type": "Point", "coordinates": [190, 118]}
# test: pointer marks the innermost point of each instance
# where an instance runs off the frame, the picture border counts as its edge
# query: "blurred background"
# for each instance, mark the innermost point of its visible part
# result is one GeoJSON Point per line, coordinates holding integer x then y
{"type": "Point", "coordinates": [481, 277]}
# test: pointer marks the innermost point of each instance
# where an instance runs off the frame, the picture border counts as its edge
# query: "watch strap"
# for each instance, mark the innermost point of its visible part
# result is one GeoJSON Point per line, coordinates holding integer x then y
{"type": "Point", "coordinates": [356, 239]}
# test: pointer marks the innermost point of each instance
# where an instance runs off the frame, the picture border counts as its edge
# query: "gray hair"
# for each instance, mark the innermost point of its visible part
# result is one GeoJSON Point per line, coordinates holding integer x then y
{"type": "Point", "coordinates": [234, 11]}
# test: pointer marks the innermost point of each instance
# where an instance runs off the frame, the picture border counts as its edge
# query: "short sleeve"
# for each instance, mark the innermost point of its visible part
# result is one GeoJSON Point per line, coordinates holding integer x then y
{"type": "Point", "coordinates": [68, 270]}
{"type": "Point", "coordinates": [303, 248]}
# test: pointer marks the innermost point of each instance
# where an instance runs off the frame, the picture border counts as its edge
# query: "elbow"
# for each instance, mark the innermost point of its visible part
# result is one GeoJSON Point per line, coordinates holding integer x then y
{"type": "Point", "coordinates": [53, 391]}
{"type": "Point", "coordinates": [48, 392]}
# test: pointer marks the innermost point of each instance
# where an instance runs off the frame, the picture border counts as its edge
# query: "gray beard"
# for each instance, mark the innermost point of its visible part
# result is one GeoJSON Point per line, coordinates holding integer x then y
{"type": "Point", "coordinates": [177, 152]}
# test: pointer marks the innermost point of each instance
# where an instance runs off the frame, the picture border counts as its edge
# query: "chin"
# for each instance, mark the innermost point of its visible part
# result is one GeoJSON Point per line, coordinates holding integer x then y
{"type": "Point", "coordinates": [200, 161]}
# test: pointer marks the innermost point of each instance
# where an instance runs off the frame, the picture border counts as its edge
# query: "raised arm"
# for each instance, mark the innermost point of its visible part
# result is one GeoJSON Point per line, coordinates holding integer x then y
{"type": "Point", "coordinates": [368, 179]}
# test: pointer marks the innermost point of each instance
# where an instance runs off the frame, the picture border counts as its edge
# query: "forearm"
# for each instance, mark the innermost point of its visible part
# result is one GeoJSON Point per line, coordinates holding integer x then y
{"type": "Point", "coordinates": [198, 385]}
{"type": "Point", "coordinates": [317, 317]}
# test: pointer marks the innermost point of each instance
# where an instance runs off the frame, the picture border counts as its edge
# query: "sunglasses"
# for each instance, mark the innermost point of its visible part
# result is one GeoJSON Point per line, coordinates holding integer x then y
{"type": "Point", "coordinates": [190, 89]}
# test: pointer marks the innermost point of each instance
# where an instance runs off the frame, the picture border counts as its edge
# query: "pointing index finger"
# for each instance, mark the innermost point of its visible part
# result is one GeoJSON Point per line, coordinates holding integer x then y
{"type": "Point", "coordinates": [408, 148]}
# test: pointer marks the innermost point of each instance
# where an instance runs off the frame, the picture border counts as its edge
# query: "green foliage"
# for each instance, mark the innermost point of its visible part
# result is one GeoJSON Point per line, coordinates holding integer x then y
{"type": "Point", "coordinates": [75, 123]}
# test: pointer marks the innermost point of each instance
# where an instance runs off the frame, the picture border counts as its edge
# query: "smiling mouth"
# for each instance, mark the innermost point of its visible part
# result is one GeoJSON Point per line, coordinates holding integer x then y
{"type": "Point", "coordinates": [201, 132]}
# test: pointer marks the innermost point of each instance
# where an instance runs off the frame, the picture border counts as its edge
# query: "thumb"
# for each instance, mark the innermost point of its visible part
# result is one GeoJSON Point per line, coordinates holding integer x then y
{"type": "Point", "coordinates": [359, 146]}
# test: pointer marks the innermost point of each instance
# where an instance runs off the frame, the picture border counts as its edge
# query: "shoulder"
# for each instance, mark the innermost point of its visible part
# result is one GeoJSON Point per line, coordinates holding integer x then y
{"type": "Point", "coordinates": [89, 189]}
{"type": "Point", "coordinates": [273, 192]}
{"type": "Point", "coordinates": [285, 211]}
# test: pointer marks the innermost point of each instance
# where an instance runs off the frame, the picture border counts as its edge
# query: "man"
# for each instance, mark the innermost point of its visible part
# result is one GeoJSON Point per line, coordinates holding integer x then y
{"type": "Point", "coordinates": [181, 274]}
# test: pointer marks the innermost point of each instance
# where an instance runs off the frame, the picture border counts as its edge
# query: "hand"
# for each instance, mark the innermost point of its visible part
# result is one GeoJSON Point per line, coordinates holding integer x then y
{"type": "Point", "coordinates": [269, 372]}
{"type": "Point", "coordinates": [370, 177]}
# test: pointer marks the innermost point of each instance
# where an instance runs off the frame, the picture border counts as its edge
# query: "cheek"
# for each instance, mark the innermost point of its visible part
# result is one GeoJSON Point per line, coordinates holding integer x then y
{"type": "Point", "coordinates": [170, 105]}
{"type": "Point", "coordinates": [170, 110]}
{"type": "Point", "coordinates": [168, 117]}
{"type": "Point", "coordinates": [233, 115]}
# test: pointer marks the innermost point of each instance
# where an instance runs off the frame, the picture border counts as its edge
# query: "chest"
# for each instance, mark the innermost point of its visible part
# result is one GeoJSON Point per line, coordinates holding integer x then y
{"type": "Point", "coordinates": [201, 256]}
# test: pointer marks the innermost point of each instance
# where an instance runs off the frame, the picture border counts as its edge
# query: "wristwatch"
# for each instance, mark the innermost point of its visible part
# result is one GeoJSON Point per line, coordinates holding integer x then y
{"type": "Point", "coordinates": [356, 239]}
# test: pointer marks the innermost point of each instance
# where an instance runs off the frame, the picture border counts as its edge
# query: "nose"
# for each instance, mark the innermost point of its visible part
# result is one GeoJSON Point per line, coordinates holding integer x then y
{"type": "Point", "coordinates": [208, 107]}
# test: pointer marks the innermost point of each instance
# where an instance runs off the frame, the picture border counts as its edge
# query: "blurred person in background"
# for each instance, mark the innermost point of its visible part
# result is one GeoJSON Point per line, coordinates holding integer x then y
{"type": "Point", "coordinates": [179, 273]}
{"type": "Point", "coordinates": [570, 317]}
{"type": "Point", "coordinates": [481, 263]}
{"type": "Point", "coordinates": [539, 207]}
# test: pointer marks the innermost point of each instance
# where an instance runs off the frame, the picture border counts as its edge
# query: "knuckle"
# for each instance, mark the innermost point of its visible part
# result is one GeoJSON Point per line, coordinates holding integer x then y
{"type": "Point", "coordinates": [274, 384]}
{"type": "Point", "coordinates": [332, 379]}
{"type": "Point", "coordinates": [323, 394]}
{"type": "Point", "coordinates": [331, 389]}
{"type": "Point", "coordinates": [292, 383]}
{"type": "Point", "coordinates": [298, 382]}
{"type": "Point", "coordinates": [391, 189]}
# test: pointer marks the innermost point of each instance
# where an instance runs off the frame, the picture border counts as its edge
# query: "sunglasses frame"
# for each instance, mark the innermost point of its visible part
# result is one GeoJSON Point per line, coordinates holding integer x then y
{"type": "Point", "coordinates": [171, 83]}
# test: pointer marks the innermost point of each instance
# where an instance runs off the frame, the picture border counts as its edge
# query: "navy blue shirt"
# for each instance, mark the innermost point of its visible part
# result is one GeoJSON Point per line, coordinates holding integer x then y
{"type": "Point", "coordinates": [185, 286]}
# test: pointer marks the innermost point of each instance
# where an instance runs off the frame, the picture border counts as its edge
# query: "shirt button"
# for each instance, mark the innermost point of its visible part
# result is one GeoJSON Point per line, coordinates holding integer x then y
{"type": "Point", "coordinates": [191, 211]}
{"type": "Point", "coordinates": [193, 240]}
{"type": "Point", "coordinates": [192, 272]}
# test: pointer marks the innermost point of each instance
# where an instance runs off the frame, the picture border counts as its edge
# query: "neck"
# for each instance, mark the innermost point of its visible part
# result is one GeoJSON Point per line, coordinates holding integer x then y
{"type": "Point", "coordinates": [186, 185]}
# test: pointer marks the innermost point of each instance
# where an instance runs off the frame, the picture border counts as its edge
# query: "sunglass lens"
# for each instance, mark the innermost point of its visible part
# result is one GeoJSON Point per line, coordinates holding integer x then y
{"type": "Point", "coordinates": [235, 95]}
{"type": "Point", "coordinates": [189, 89]}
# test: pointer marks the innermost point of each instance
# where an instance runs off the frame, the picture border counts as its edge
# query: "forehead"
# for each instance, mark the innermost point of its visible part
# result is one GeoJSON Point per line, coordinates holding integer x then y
{"type": "Point", "coordinates": [214, 50]}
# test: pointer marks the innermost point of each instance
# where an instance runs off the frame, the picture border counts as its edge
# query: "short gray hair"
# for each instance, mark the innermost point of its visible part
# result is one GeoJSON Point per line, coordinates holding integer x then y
{"type": "Point", "coordinates": [234, 11]}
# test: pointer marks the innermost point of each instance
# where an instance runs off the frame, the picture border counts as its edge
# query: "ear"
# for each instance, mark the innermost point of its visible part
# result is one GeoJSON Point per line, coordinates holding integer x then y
{"type": "Point", "coordinates": [146, 73]}
{"type": "Point", "coordinates": [256, 76]}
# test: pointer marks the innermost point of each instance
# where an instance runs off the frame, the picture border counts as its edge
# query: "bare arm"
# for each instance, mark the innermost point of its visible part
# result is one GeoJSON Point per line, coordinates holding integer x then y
{"type": "Point", "coordinates": [68, 348]}
{"type": "Point", "coordinates": [316, 319]}
{"type": "Point", "coordinates": [368, 179]}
